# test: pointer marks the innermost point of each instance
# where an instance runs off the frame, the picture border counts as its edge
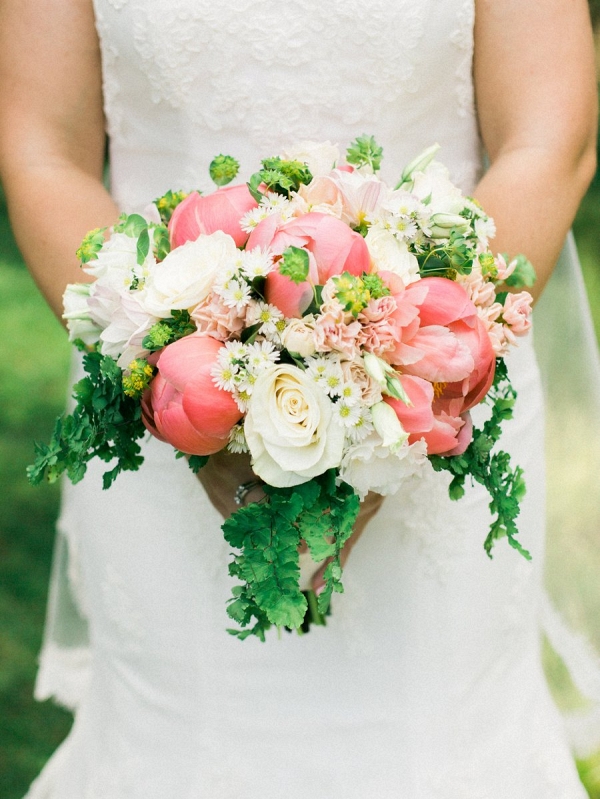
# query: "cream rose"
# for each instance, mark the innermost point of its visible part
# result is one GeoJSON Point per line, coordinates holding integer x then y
{"type": "Point", "coordinates": [321, 157]}
{"type": "Point", "coordinates": [391, 255]}
{"type": "Point", "coordinates": [299, 336]}
{"type": "Point", "coordinates": [187, 274]}
{"type": "Point", "coordinates": [289, 428]}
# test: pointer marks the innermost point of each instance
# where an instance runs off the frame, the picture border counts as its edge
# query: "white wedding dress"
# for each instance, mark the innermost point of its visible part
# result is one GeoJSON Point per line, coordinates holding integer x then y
{"type": "Point", "coordinates": [427, 680]}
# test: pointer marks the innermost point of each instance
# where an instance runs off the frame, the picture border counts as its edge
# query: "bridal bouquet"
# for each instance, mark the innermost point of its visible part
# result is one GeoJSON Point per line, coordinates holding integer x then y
{"type": "Point", "coordinates": [335, 328]}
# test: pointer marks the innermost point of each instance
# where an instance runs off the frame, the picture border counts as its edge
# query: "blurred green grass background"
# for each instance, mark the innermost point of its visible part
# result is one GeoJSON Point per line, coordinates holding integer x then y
{"type": "Point", "coordinates": [33, 383]}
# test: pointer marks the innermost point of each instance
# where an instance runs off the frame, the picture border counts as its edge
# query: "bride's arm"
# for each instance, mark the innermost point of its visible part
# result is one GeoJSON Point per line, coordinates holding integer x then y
{"type": "Point", "coordinates": [52, 135]}
{"type": "Point", "coordinates": [537, 107]}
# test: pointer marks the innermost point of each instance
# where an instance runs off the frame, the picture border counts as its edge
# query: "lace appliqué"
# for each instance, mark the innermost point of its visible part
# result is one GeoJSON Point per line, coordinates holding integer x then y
{"type": "Point", "coordinates": [224, 64]}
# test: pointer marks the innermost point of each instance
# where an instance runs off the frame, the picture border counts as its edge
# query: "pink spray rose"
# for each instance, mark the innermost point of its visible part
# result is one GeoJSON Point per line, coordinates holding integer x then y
{"type": "Point", "coordinates": [517, 312]}
{"type": "Point", "coordinates": [221, 210]}
{"type": "Point", "coordinates": [183, 405]}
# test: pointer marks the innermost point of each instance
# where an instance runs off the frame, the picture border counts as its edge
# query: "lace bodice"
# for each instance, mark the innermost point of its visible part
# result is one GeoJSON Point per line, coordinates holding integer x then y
{"type": "Point", "coordinates": [189, 78]}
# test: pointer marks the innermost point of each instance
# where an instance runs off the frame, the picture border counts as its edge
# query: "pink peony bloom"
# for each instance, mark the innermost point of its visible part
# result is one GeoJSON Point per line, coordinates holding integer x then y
{"type": "Point", "coordinates": [441, 431]}
{"type": "Point", "coordinates": [517, 312]}
{"type": "Point", "coordinates": [291, 298]}
{"type": "Point", "coordinates": [221, 210]}
{"type": "Point", "coordinates": [336, 248]}
{"type": "Point", "coordinates": [183, 405]}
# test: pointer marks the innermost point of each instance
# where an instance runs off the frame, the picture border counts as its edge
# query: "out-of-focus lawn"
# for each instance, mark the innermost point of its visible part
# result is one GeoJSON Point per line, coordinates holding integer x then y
{"type": "Point", "coordinates": [34, 358]}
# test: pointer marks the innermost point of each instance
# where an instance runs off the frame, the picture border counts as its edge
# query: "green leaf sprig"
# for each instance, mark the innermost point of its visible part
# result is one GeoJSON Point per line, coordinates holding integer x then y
{"type": "Point", "coordinates": [282, 177]}
{"type": "Point", "coordinates": [267, 534]}
{"type": "Point", "coordinates": [105, 423]}
{"type": "Point", "coordinates": [493, 470]}
{"type": "Point", "coordinates": [364, 151]}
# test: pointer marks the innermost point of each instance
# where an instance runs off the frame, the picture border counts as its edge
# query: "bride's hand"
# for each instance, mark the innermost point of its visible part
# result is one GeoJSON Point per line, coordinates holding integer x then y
{"type": "Point", "coordinates": [222, 476]}
{"type": "Point", "coordinates": [225, 472]}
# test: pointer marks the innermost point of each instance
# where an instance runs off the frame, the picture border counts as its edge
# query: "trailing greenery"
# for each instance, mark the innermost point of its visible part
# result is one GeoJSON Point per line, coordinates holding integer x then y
{"type": "Point", "coordinates": [493, 470]}
{"type": "Point", "coordinates": [106, 423]}
{"type": "Point", "coordinates": [319, 512]}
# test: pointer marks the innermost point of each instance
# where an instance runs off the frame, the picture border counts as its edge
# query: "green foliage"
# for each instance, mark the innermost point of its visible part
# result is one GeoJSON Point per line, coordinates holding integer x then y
{"type": "Point", "coordinates": [364, 151]}
{"type": "Point", "coordinates": [91, 245]}
{"type": "Point", "coordinates": [282, 177]}
{"type": "Point", "coordinates": [168, 203]}
{"type": "Point", "coordinates": [294, 264]}
{"type": "Point", "coordinates": [223, 169]}
{"type": "Point", "coordinates": [105, 424]}
{"type": "Point", "coordinates": [493, 470]}
{"type": "Point", "coordinates": [524, 275]}
{"type": "Point", "coordinates": [454, 256]}
{"type": "Point", "coordinates": [351, 293]}
{"type": "Point", "coordinates": [169, 330]}
{"type": "Point", "coordinates": [267, 535]}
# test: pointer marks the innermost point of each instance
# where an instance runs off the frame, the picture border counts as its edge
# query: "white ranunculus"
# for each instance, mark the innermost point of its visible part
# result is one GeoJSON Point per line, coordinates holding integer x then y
{"type": "Point", "coordinates": [77, 314]}
{"type": "Point", "coordinates": [299, 336]}
{"type": "Point", "coordinates": [391, 255]}
{"type": "Point", "coordinates": [289, 428]}
{"type": "Point", "coordinates": [321, 157]}
{"type": "Point", "coordinates": [370, 466]}
{"type": "Point", "coordinates": [187, 274]}
{"type": "Point", "coordinates": [434, 183]}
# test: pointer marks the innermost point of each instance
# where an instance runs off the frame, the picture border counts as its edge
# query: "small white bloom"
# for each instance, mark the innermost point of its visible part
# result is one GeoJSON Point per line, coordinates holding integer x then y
{"type": "Point", "coordinates": [270, 318]}
{"type": "Point", "coordinates": [346, 414]}
{"type": "Point", "coordinates": [485, 229]}
{"type": "Point", "coordinates": [235, 294]}
{"type": "Point", "coordinates": [256, 263]}
{"type": "Point", "coordinates": [298, 336]}
{"type": "Point", "coordinates": [253, 218]}
{"type": "Point", "coordinates": [237, 440]}
{"type": "Point", "coordinates": [261, 355]}
{"type": "Point", "coordinates": [224, 374]}
{"type": "Point", "coordinates": [362, 427]}
{"type": "Point", "coordinates": [326, 372]}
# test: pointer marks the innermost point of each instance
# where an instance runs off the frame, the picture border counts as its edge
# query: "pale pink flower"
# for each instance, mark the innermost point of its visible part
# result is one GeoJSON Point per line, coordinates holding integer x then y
{"type": "Point", "coordinates": [354, 372]}
{"type": "Point", "coordinates": [517, 312]}
{"type": "Point", "coordinates": [332, 333]}
{"type": "Point", "coordinates": [216, 319]}
{"type": "Point", "coordinates": [379, 332]}
{"type": "Point", "coordinates": [504, 270]}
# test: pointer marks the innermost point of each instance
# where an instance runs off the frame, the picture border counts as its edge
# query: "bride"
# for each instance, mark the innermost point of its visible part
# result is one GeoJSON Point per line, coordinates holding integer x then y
{"type": "Point", "coordinates": [427, 680]}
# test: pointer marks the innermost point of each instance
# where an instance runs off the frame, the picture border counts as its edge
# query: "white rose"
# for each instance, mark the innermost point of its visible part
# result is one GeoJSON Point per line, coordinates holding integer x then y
{"type": "Point", "coordinates": [77, 314]}
{"type": "Point", "coordinates": [320, 157]}
{"type": "Point", "coordinates": [289, 428]}
{"type": "Point", "coordinates": [391, 255]}
{"type": "Point", "coordinates": [299, 336]}
{"type": "Point", "coordinates": [187, 274]}
{"type": "Point", "coordinates": [370, 466]}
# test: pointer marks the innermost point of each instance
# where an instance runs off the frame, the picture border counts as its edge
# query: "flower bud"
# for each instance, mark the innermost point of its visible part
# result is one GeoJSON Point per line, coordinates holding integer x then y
{"type": "Point", "coordinates": [388, 426]}
{"type": "Point", "coordinates": [418, 164]}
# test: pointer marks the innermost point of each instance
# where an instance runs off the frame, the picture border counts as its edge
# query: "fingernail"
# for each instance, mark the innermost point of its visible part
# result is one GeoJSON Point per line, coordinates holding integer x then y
{"type": "Point", "coordinates": [319, 590]}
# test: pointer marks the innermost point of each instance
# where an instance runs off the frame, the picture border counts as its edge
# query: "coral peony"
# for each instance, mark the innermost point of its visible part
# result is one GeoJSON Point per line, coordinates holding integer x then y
{"type": "Point", "coordinates": [221, 210]}
{"type": "Point", "coordinates": [183, 405]}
